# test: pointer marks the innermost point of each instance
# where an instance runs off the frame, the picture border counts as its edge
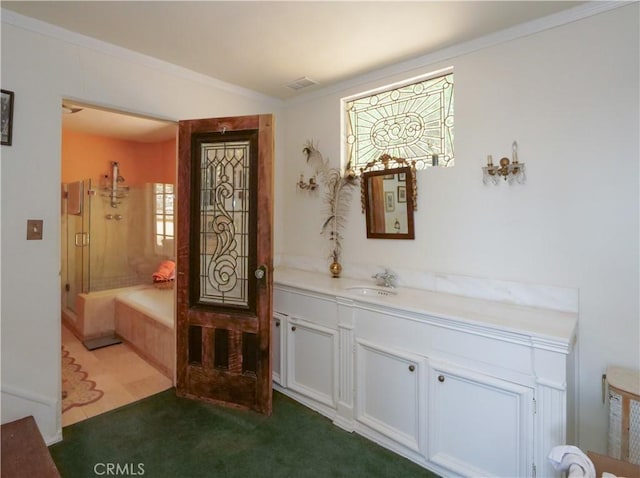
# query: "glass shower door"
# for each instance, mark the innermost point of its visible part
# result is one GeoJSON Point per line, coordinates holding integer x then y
{"type": "Point", "coordinates": [78, 218]}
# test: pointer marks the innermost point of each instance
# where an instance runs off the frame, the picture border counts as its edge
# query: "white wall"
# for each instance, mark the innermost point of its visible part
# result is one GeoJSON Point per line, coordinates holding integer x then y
{"type": "Point", "coordinates": [569, 96]}
{"type": "Point", "coordinates": [42, 69]}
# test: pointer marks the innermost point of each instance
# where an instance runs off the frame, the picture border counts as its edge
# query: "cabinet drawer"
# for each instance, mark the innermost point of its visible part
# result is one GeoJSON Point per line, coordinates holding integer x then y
{"type": "Point", "coordinates": [315, 309]}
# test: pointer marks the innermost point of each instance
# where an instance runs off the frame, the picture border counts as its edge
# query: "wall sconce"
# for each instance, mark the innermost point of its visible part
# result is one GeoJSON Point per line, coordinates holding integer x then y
{"type": "Point", "coordinates": [507, 170]}
{"type": "Point", "coordinates": [310, 185]}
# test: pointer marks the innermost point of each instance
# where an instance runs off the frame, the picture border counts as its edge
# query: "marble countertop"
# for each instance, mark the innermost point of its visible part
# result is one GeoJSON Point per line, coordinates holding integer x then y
{"type": "Point", "coordinates": [556, 327]}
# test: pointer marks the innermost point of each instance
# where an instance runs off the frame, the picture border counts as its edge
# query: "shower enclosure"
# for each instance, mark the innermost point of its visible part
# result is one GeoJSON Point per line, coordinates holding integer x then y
{"type": "Point", "coordinates": [106, 243]}
{"type": "Point", "coordinates": [75, 242]}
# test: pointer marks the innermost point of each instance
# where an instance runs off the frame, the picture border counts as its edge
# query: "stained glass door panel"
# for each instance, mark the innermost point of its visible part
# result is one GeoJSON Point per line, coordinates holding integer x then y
{"type": "Point", "coordinates": [225, 223]}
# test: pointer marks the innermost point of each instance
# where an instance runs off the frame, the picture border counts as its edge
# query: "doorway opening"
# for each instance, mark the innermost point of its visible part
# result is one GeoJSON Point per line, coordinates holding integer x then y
{"type": "Point", "coordinates": [117, 258]}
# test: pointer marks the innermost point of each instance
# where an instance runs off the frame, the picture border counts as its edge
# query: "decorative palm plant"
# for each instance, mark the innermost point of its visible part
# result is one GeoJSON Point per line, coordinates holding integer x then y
{"type": "Point", "coordinates": [337, 197]}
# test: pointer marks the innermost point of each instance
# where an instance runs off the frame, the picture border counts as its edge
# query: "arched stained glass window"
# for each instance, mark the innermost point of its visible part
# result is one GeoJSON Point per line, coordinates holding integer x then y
{"type": "Point", "coordinates": [411, 121]}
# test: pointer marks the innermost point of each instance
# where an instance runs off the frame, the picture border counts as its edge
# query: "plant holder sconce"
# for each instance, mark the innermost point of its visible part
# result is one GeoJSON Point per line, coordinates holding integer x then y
{"type": "Point", "coordinates": [508, 170]}
{"type": "Point", "coordinates": [311, 184]}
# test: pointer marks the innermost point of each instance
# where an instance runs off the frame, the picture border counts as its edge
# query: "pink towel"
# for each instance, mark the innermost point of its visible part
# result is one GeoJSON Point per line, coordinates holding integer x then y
{"type": "Point", "coordinates": [166, 271]}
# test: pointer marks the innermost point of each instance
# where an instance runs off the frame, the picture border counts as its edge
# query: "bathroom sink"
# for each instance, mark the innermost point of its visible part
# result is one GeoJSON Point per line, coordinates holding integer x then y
{"type": "Point", "coordinates": [371, 291]}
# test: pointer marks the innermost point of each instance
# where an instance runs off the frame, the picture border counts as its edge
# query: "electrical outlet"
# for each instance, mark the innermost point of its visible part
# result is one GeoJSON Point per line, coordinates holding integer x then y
{"type": "Point", "coordinates": [34, 229]}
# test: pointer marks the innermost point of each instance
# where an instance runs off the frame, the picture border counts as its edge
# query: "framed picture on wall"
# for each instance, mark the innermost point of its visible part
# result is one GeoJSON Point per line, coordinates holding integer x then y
{"type": "Point", "coordinates": [402, 194]}
{"type": "Point", "coordinates": [402, 177]}
{"type": "Point", "coordinates": [389, 201]}
{"type": "Point", "coordinates": [7, 116]}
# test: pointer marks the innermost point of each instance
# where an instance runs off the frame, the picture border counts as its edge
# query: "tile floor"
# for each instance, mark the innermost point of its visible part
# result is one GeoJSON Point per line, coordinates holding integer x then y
{"type": "Point", "coordinates": [118, 371]}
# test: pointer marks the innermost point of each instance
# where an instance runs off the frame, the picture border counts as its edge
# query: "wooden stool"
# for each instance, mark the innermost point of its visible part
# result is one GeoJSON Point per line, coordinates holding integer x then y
{"type": "Point", "coordinates": [24, 452]}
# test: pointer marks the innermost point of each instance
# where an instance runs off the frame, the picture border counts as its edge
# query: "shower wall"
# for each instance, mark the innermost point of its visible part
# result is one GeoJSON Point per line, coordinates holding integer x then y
{"type": "Point", "coordinates": [89, 156]}
{"type": "Point", "coordinates": [119, 253]}
{"type": "Point", "coordinates": [116, 245]}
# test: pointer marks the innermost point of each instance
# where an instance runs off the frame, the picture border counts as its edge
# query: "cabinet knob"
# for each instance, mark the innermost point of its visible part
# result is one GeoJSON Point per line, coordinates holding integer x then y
{"type": "Point", "coordinates": [440, 378]}
{"type": "Point", "coordinates": [277, 323]}
{"type": "Point", "coordinates": [293, 328]}
{"type": "Point", "coordinates": [412, 368]}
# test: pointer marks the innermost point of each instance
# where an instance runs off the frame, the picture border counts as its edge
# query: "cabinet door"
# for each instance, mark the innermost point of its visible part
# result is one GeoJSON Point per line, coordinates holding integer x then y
{"type": "Point", "coordinates": [312, 353]}
{"type": "Point", "coordinates": [390, 393]}
{"type": "Point", "coordinates": [278, 323]}
{"type": "Point", "coordinates": [479, 425]}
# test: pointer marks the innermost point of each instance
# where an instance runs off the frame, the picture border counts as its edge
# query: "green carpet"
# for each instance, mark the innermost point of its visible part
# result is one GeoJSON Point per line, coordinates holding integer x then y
{"type": "Point", "coordinates": [167, 436]}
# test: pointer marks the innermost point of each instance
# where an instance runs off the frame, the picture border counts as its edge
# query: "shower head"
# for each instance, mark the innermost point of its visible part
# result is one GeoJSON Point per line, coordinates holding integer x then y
{"type": "Point", "coordinates": [69, 109]}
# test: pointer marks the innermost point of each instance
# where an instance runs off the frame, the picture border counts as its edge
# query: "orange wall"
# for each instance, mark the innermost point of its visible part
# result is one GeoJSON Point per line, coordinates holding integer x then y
{"type": "Point", "coordinates": [88, 156]}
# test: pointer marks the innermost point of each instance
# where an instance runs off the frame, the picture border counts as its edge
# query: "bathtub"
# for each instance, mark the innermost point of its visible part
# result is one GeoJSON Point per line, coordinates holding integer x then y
{"type": "Point", "coordinates": [155, 303]}
{"type": "Point", "coordinates": [144, 318]}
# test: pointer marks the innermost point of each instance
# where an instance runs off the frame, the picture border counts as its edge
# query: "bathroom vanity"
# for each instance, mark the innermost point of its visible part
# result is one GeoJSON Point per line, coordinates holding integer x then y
{"type": "Point", "coordinates": [459, 385]}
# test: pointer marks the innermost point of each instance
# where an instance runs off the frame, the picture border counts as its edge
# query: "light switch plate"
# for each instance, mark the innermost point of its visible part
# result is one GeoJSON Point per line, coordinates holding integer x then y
{"type": "Point", "coordinates": [34, 229]}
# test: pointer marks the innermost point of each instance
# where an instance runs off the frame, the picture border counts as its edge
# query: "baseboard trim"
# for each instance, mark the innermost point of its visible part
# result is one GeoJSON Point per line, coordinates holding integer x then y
{"type": "Point", "coordinates": [46, 411]}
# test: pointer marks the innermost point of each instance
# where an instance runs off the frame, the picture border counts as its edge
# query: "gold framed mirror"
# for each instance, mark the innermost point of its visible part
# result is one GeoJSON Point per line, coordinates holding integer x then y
{"type": "Point", "coordinates": [389, 197]}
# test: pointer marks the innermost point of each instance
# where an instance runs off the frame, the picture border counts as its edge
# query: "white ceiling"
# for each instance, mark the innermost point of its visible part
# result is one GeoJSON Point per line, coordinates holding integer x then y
{"type": "Point", "coordinates": [264, 45]}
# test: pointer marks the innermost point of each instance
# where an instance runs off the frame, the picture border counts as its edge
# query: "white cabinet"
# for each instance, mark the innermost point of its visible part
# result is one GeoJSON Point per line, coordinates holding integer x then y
{"type": "Point", "coordinates": [479, 425]}
{"type": "Point", "coordinates": [311, 361]}
{"type": "Point", "coordinates": [445, 381]}
{"type": "Point", "coordinates": [278, 325]}
{"type": "Point", "coordinates": [390, 395]}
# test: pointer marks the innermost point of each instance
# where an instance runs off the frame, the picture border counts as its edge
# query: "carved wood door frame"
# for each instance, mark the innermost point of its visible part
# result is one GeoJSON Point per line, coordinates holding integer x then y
{"type": "Point", "coordinates": [225, 261]}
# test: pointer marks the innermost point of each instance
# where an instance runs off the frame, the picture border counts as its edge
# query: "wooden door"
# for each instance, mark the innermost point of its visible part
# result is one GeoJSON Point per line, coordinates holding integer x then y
{"type": "Point", "coordinates": [224, 261]}
{"type": "Point", "coordinates": [377, 198]}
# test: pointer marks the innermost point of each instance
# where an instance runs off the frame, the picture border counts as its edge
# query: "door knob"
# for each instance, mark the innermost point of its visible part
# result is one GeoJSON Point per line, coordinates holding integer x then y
{"type": "Point", "coordinates": [260, 272]}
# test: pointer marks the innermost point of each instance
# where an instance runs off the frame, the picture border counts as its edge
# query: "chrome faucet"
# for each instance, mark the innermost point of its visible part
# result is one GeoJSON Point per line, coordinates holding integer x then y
{"type": "Point", "coordinates": [386, 278]}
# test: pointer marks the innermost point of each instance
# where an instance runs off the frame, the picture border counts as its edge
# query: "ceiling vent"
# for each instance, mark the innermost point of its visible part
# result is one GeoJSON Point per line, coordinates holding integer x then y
{"type": "Point", "coordinates": [301, 83]}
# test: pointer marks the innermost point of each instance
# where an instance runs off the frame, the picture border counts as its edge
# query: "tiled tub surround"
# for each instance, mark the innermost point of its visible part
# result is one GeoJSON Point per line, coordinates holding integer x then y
{"type": "Point", "coordinates": [141, 315]}
{"type": "Point", "coordinates": [96, 313]}
{"type": "Point", "coordinates": [144, 318]}
{"type": "Point", "coordinates": [461, 385]}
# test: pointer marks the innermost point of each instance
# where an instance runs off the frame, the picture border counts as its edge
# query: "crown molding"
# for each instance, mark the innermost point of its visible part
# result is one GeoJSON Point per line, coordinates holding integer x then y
{"type": "Point", "coordinates": [564, 17]}
{"type": "Point", "coordinates": [579, 12]}
{"type": "Point", "coordinates": [37, 26]}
